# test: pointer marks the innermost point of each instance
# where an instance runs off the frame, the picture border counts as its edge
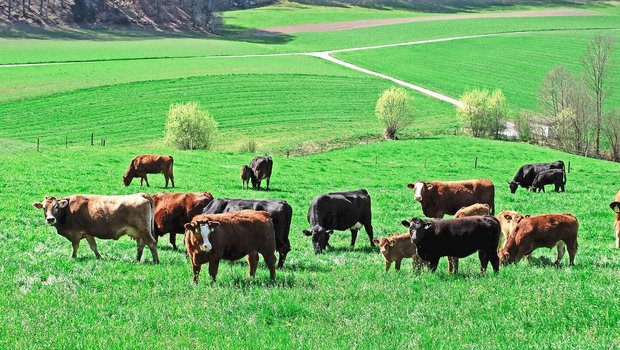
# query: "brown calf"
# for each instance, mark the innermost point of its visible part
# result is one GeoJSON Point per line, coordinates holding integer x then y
{"type": "Point", "coordinates": [551, 230]}
{"type": "Point", "coordinates": [473, 210]}
{"type": "Point", "coordinates": [149, 164]}
{"type": "Point", "coordinates": [615, 206]}
{"type": "Point", "coordinates": [246, 175]}
{"type": "Point", "coordinates": [507, 225]}
{"type": "Point", "coordinates": [173, 210]}
{"type": "Point", "coordinates": [212, 237]}
{"type": "Point", "coordinates": [396, 248]}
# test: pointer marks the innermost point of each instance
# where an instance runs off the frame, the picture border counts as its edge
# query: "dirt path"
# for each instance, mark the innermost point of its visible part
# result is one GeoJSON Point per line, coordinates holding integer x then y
{"type": "Point", "coordinates": [365, 23]}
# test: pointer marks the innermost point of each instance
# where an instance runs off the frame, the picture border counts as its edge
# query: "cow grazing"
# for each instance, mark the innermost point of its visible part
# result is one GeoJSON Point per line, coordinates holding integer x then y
{"type": "Point", "coordinates": [105, 217]}
{"type": "Point", "coordinates": [551, 230]}
{"type": "Point", "coordinates": [556, 177]}
{"type": "Point", "coordinates": [246, 175]}
{"type": "Point", "coordinates": [231, 236]}
{"type": "Point", "coordinates": [615, 206]}
{"type": "Point", "coordinates": [149, 164]}
{"type": "Point", "coordinates": [339, 211]}
{"type": "Point", "coordinates": [439, 198]}
{"type": "Point", "coordinates": [473, 210]}
{"type": "Point", "coordinates": [507, 225]}
{"type": "Point", "coordinates": [456, 238]}
{"type": "Point", "coordinates": [280, 211]}
{"type": "Point", "coordinates": [173, 210]}
{"type": "Point", "coordinates": [261, 167]}
{"type": "Point", "coordinates": [527, 173]}
{"type": "Point", "coordinates": [396, 248]}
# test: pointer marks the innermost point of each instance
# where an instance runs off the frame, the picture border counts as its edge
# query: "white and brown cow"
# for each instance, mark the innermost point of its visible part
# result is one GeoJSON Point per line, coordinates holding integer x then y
{"type": "Point", "coordinates": [439, 198]}
{"type": "Point", "coordinates": [615, 206]}
{"type": "Point", "coordinates": [88, 217]}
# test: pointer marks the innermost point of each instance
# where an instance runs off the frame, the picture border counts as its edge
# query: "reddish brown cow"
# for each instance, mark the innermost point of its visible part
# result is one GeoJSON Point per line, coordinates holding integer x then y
{"type": "Point", "coordinates": [88, 217]}
{"type": "Point", "coordinates": [398, 247]}
{"type": "Point", "coordinates": [231, 236]}
{"type": "Point", "coordinates": [173, 210]}
{"type": "Point", "coordinates": [551, 230]}
{"type": "Point", "coordinates": [149, 164]}
{"type": "Point", "coordinates": [615, 206]}
{"type": "Point", "coordinates": [439, 198]}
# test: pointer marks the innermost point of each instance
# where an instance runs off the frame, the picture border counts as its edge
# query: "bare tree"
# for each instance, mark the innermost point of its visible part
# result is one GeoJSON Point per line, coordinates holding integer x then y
{"type": "Point", "coordinates": [597, 66]}
{"type": "Point", "coordinates": [611, 130]}
{"type": "Point", "coordinates": [9, 9]}
{"type": "Point", "coordinates": [554, 92]}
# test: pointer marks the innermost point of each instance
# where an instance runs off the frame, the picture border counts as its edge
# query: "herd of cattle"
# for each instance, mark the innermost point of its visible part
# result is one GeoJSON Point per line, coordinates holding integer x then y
{"type": "Point", "coordinates": [229, 229]}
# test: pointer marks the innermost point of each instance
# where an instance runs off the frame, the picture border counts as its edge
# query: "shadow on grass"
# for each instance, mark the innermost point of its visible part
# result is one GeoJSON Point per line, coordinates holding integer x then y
{"type": "Point", "coordinates": [348, 249]}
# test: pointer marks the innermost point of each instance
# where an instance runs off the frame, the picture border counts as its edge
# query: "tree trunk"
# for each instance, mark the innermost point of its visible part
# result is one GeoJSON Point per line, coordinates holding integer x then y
{"type": "Point", "coordinates": [10, 8]}
{"type": "Point", "coordinates": [41, 7]}
{"type": "Point", "coordinates": [24, 8]}
{"type": "Point", "coordinates": [390, 134]}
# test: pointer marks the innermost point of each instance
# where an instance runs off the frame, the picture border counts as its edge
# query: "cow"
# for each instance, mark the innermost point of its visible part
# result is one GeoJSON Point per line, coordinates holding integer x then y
{"type": "Point", "coordinates": [261, 167]}
{"type": "Point", "coordinates": [550, 230]}
{"type": "Point", "coordinates": [555, 177]}
{"type": "Point", "coordinates": [339, 211]}
{"type": "Point", "coordinates": [473, 210]}
{"type": "Point", "coordinates": [149, 164]}
{"type": "Point", "coordinates": [104, 217]}
{"type": "Point", "coordinates": [280, 211]}
{"type": "Point", "coordinates": [507, 225]}
{"type": "Point", "coordinates": [527, 173]}
{"type": "Point", "coordinates": [231, 236]}
{"type": "Point", "coordinates": [615, 206]}
{"type": "Point", "coordinates": [396, 248]}
{"type": "Point", "coordinates": [456, 238]}
{"type": "Point", "coordinates": [439, 198]}
{"type": "Point", "coordinates": [173, 210]}
{"type": "Point", "coordinates": [246, 175]}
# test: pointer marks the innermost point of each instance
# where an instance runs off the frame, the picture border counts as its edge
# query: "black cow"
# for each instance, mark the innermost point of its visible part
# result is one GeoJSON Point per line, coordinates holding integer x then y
{"type": "Point", "coordinates": [280, 211]}
{"type": "Point", "coordinates": [339, 211]}
{"type": "Point", "coordinates": [456, 237]}
{"type": "Point", "coordinates": [527, 173]}
{"type": "Point", "coordinates": [261, 167]}
{"type": "Point", "coordinates": [555, 177]}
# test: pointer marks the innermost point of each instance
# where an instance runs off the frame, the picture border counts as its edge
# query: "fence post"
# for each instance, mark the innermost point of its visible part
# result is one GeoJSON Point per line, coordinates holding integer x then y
{"type": "Point", "coordinates": [37, 144]}
{"type": "Point", "coordinates": [425, 160]}
{"type": "Point", "coordinates": [66, 141]}
{"type": "Point", "coordinates": [569, 166]}
{"type": "Point", "coordinates": [476, 163]}
{"type": "Point", "coordinates": [287, 153]}
{"type": "Point", "coordinates": [92, 138]}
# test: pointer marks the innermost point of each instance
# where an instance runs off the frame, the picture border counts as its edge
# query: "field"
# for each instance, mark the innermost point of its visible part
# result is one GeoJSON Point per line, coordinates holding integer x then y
{"type": "Point", "coordinates": [323, 115]}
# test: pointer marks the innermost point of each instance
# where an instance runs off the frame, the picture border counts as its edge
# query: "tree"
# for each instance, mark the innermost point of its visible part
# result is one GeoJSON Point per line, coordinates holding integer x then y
{"type": "Point", "coordinates": [189, 127]}
{"type": "Point", "coordinates": [555, 91]}
{"type": "Point", "coordinates": [483, 113]}
{"type": "Point", "coordinates": [611, 130]}
{"type": "Point", "coordinates": [394, 110]}
{"type": "Point", "coordinates": [596, 64]}
{"type": "Point", "coordinates": [497, 111]}
{"type": "Point", "coordinates": [523, 124]}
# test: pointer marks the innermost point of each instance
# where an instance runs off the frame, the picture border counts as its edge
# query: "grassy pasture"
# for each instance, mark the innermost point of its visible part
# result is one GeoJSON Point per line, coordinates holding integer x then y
{"type": "Point", "coordinates": [516, 63]}
{"type": "Point", "coordinates": [340, 299]}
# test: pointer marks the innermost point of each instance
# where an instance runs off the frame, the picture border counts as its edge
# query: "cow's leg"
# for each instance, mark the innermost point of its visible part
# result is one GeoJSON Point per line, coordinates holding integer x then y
{"type": "Point", "coordinates": [397, 265]}
{"type": "Point", "coordinates": [76, 245]}
{"type": "Point", "coordinates": [494, 258]}
{"type": "Point", "coordinates": [167, 179]}
{"type": "Point", "coordinates": [252, 263]}
{"type": "Point", "coordinates": [196, 270]}
{"type": "Point", "coordinates": [387, 265]}
{"type": "Point", "coordinates": [270, 260]}
{"type": "Point", "coordinates": [146, 179]}
{"type": "Point", "coordinates": [433, 264]}
{"type": "Point", "coordinates": [140, 243]}
{"type": "Point", "coordinates": [214, 264]}
{"type": "Point", "coordinates": [268, 183]}
{"type": "Point", "coordinates": [353, 237]}
{"type": "Point", "coordinates": [173, 240]}
{"type": "Point", "coordinates": [93, 246]}
{"type": "Point", "coordinates": [153, 247]}
{"type": "Point", "coordinates": [369, 232]}
{"type": "Point", "coordinates": [484, 260]}
{"type": "Point", "coordinates": [572, 250]}
{"type": "Point", "coordinates": [618, 239]}
{"type": "Point", "coordinates": [453, 264]}
{"type": "Point", "coordinates": [281, 258]}
{"type": "Point", "coordinates": [141, 181]}
{"type": "Point", "coordinates": [561, 247]}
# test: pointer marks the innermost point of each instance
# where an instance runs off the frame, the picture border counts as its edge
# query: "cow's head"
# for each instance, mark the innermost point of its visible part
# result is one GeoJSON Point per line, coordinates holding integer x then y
{"type": "Point", "coordinates": [53, 208]}
{"type": "Point", "coordinates": [417, 228]}
{"type": "Point", "coordinates": [615, 206]}
{"type": "Point", "coordinates": [320, 237]}
{"type": "Point", "coordinates": [420, 188]}
{"type": "Point", "coordinates": [202, 230]}
{"type": "Point", "coordinates": [513, 186]}
{"type": "Point", "coordinates": [385, 245]}
{"type": "Point", "coordinates": [127, 179]}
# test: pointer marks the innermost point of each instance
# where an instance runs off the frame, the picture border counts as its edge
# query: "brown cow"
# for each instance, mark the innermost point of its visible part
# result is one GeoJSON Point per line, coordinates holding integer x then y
{"type": "Point", "coordinates": [231, 236]}
{"type": "Point", "coordinates": [473, 210]}
{"type": "Point", "coordinates": [173, 210]}
{"type": "Point", "coordinates": [551, 230]}
{"type": "Point", "coordinates": [507, 225]}
{"type": "Point", "coordinates": [246, 175]}
{"type": "Point", "coordinates": [149, 164]}
{"type": "Point", "coordinates": [439, 198]}
{"type": "Point", "coordinates": [615, 206]}
{"type": "Point", "coordinates": [105, 217]}
{"type": "Point", "coordinates": [396, 248]}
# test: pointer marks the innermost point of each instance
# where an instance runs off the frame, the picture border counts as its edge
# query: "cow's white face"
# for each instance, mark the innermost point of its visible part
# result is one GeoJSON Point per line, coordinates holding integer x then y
{"type": "Point", "coordinates": [51, 208]}
{"type": "Point", "coordinates": [205, 231]}
{"type": "Point", "coordinates": [417, 190]}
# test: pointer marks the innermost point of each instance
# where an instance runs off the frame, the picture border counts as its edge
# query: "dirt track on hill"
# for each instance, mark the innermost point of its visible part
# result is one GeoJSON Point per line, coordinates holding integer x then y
{"type": "Point", "coordinates": [336, 26]}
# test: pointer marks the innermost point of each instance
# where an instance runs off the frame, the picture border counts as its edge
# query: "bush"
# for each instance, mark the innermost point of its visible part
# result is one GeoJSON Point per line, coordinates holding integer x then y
{"type": "Point", "coordinates": [83, 12]}
{"type": "Point", "coordinates": [483, 113]}
{"type": "Point", "coordinates": [395, 111]}
{"type": "Point", "coordinates": [523, 124]}
{"type": "Point", "coordinates": [189, 127]}
{"type": "Point", "coordinates": [249, 146]}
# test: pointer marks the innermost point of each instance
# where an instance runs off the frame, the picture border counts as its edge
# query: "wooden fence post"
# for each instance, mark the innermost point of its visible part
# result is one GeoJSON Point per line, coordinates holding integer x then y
{"type": "Point", "coordinates": [66, 141]}
{"type": "Point", "coordinates": [569, 166]}
{"type": "Point", "coordinates": [92, 138]}
{"type": "Point", "coordinates": [476, 163]}
{"type": "Point", "coordinates": [37, 144]}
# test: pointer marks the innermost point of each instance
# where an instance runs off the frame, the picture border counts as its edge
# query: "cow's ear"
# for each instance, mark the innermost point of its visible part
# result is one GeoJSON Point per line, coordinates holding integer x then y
{"type": "Point", "coordinates": [410, 185]}
{"type": "Point", "coordinates": [62, 203]}
{"type": "Point", "coordinates": [213, 225]}
{"type": "Point", "coordinates": [307, 233]}
{"type": "Point", "coordinates": [429, 187]}
{"type": "Point", "coordinates": [375, 241]}
{"type": "Point", "coordinates": [405, 223]}
{"type": "Point", "coordinates": [428, 225]}
{"type": "Point", "coordinates": [615, 206]}
{"type": "Point", "coordinates": [189, 226]}
{"type": "Point", "coordinates": [39, 205]}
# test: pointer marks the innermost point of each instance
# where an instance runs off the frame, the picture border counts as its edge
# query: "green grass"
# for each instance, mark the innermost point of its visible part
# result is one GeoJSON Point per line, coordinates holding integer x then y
{"type": "Point", "coordinates": [337, 300]}
{"type": "Point", "coordinates": [280, 112]}
{"type": "Point", "coordinates": [513, 63]}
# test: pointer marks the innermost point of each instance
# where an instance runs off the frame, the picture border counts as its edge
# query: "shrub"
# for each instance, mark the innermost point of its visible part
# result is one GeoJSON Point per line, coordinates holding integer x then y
{"type": "Point", "coordinates": [483, 113]}
{"type": "Point", "coordinates": [249, 146]}
{"type": "Point", "coordinates": [523, 124]}
{"type": "Point", "coordinates": [189, 127]}
{"type": "Point", "coordinates": [395, 111]}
